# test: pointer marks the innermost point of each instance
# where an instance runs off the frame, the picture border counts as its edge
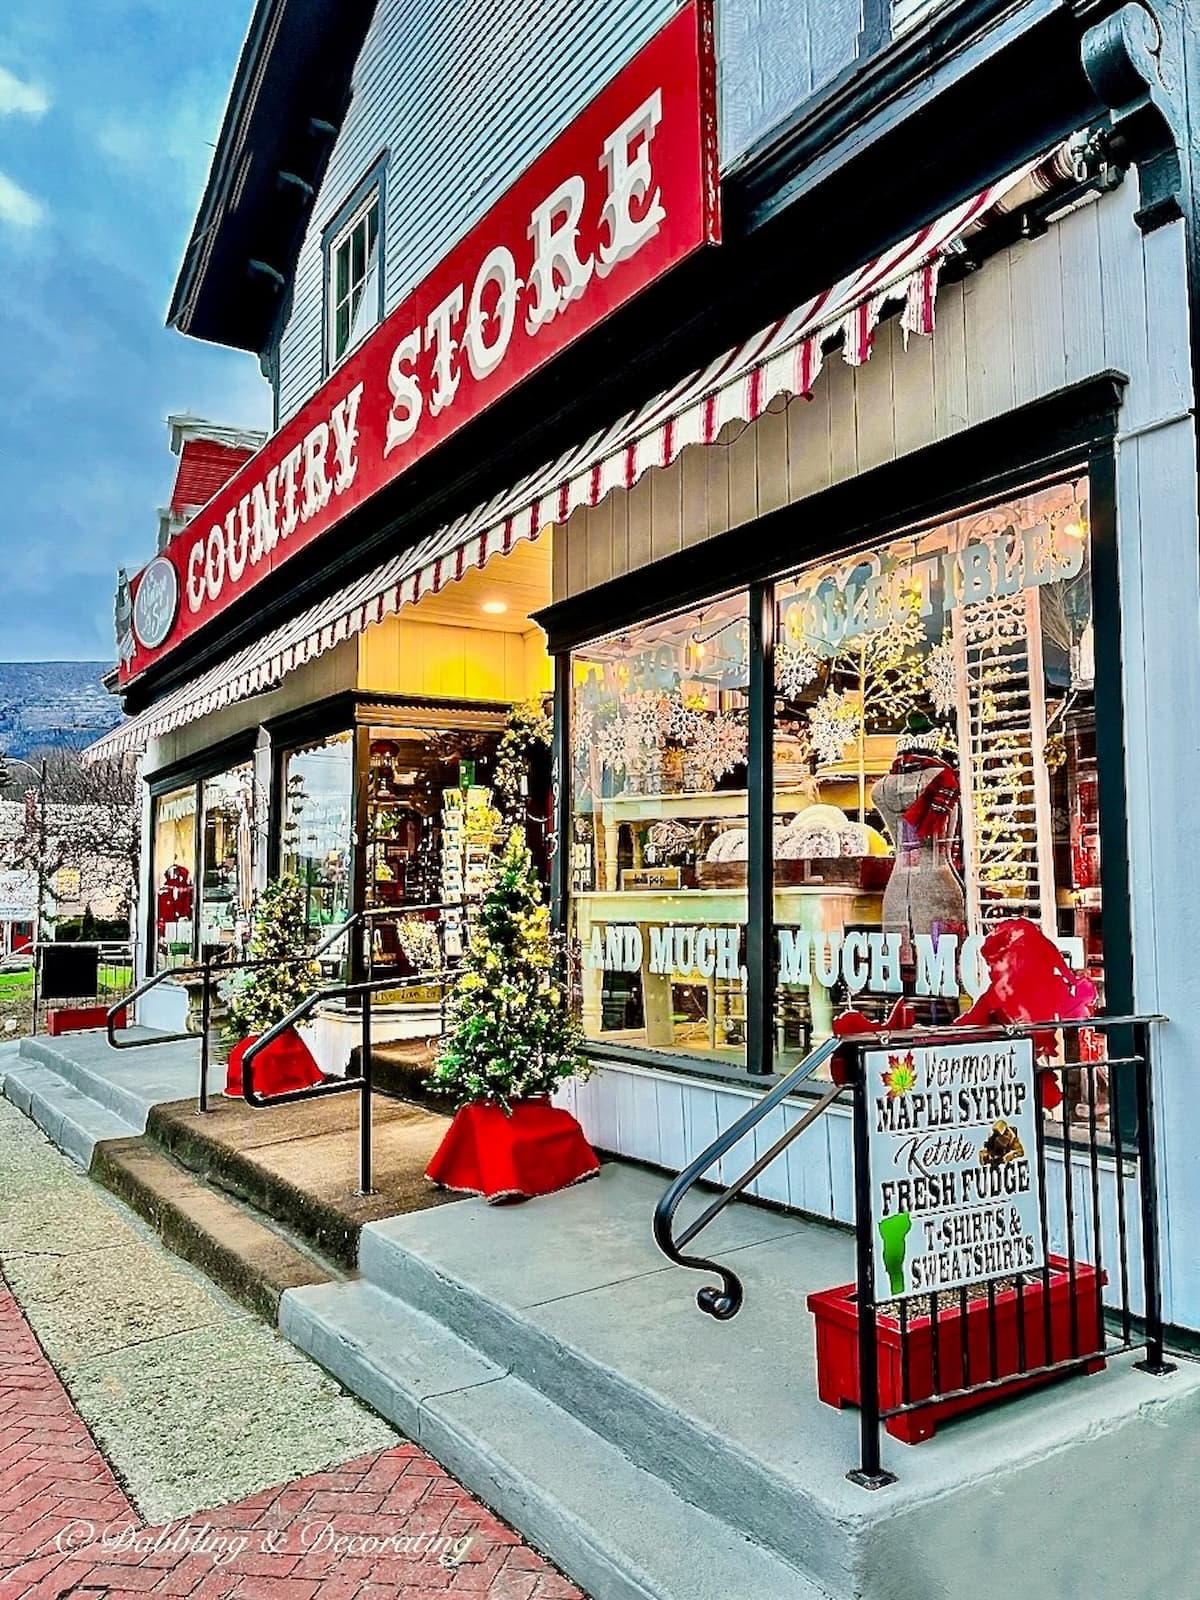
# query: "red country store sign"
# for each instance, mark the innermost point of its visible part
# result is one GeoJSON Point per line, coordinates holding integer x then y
{"type": "Point", "coordinates": [627, 192]}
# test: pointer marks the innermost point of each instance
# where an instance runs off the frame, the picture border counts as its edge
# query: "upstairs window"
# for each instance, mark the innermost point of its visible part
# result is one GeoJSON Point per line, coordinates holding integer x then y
{"type": "Point", "coordinates": [353, 289]}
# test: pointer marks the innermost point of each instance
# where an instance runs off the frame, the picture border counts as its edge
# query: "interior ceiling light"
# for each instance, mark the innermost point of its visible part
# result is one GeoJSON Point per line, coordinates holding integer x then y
{"type": "Point", "coordinates": [495, 608]}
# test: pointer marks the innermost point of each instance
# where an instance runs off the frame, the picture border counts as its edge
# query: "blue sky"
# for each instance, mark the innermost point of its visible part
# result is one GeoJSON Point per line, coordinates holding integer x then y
{"type": "Point", "coordinates": [108, 113]}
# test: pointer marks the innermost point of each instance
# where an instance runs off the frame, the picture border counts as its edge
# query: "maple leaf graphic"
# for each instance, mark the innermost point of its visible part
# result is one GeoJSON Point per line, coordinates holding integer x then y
{"type": "Point", "coordinates": [901, 1076]}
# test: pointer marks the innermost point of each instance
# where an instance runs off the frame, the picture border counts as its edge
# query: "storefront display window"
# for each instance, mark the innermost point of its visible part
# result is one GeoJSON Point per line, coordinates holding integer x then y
{"type": "Point", "coordinates": [934, 761]}
{"type": "Point", "coordinates": [431, 831]}
{"type": "Point", "coordinates": [174, 867]}
{"type": "Point", "coordinates": [658, 853]}
{"type": "Point", "coordinates": [317, 838]}
{"type": "Point", "coordinates": [227, 859]}
{"type": "Point", "coordinates": [935, 733]}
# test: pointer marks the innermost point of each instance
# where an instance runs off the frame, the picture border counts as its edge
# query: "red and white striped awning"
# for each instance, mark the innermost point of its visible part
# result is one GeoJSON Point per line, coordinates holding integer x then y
{"type": "Point", "coordinates": [783, 359]}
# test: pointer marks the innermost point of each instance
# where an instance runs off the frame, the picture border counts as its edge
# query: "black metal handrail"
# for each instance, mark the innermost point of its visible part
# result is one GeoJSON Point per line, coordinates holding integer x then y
{"type": "Point", "coordinates": [360, 1085]}
{"type": "Point", "coordinates": [726, 1302]}
{"type": "Point", "coordinates": [1057, 1317]}
{"type": "Point", "coordinates": [206, 969]}
{"type": "Point", "coordinates": [1134, 1056]}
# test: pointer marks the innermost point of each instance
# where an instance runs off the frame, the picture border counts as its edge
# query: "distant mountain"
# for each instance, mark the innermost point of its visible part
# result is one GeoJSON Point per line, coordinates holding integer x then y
{"type": "Point", "coordinates": [54, 703]}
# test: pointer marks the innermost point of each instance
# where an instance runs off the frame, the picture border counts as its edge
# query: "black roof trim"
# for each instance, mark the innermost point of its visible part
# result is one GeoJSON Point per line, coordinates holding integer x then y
{"type": "Point", "coordinates": [289, 95]}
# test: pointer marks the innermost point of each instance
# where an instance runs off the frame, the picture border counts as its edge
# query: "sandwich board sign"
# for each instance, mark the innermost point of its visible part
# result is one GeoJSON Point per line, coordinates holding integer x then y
{"type": "Point", "coordinates": [955, 1186]}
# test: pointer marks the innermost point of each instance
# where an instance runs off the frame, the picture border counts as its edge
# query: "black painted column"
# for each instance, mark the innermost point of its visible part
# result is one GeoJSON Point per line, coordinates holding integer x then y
{"type": "Point", "coordinates": [760, 924]}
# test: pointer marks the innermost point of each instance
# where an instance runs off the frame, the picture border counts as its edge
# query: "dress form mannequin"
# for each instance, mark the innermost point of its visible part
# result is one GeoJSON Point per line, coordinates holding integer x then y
{"type": "Point", "coordinates": [923, 894]}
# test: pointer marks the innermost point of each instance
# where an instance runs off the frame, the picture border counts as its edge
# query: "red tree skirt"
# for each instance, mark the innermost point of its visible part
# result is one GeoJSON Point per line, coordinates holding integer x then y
{"type": "Point", "coordinates": [286, 1064]}
{"type": "Point", "coordinates": [536, 1150]}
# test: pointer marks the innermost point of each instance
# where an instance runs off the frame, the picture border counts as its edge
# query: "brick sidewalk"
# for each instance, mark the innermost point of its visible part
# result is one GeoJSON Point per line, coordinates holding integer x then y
{"type": "Point", "coordinates": [308, 1540]}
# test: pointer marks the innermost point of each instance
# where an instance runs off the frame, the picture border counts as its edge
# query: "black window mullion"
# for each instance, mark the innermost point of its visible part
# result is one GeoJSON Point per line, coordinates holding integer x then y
{"type": "Point", "coordinates": [198, 875]}
{"type": "Point", "coordinates": [760, 901]}
{"type": "Point", "coordinates": [561, 802]}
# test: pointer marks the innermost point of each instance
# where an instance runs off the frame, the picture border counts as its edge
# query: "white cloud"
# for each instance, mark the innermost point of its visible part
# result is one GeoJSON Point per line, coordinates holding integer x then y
{"type": "Point", "coordinates": [18, 98]}
{"type": "Point", "coordinates": [18, 207]}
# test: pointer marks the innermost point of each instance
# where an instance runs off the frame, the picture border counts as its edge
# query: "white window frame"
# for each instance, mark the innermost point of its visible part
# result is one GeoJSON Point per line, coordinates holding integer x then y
{"type": "Point", "coordinates": [368, 303]}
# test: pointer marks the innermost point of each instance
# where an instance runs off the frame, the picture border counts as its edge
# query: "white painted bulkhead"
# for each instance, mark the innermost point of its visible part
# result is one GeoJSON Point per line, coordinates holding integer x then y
{"type": "Point", "coordinates": [1093, 295]}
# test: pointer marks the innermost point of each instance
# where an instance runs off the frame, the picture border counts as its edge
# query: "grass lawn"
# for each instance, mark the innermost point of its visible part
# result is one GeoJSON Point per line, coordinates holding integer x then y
{"type": "Point", "coordinates": [15, 983]}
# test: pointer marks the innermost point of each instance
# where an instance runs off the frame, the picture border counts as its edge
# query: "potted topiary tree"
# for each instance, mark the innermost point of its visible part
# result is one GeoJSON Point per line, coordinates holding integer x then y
{"type": "Point", "coordinates": [510, 1040]}
{"type": "Point", "coordinates": [259, 997]}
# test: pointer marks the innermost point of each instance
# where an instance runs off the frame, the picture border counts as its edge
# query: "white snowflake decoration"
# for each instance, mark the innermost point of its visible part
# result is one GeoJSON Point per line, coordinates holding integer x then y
{"type": "Point", "coordinates": [678, 721]}
{"type": "Point", "coordinates": [795, 668]}
{"type": "Point", "coordinates": [719, 744]}
{"type": "Point", "coordinates": [644, 715]}
{"type": "Point", "coordinates": [941, 678]}
{"type": "Point", "coordinates": [833, 725]}
{"type": "Point", "coordinates": [611, 745]}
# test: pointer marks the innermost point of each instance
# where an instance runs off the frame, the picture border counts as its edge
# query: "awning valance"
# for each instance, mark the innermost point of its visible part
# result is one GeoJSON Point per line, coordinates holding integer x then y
{"type": "Point", "coordinates": [784, 358]}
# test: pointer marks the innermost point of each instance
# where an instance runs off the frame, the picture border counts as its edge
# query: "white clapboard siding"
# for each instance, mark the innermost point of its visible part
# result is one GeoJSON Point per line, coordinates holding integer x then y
{"type": "Point", "coordinates": [1122, 1282]}
{"type": "Point", "coordinates": [667, 1119]}
{"type": "Point", "coordinates": [460, 96]}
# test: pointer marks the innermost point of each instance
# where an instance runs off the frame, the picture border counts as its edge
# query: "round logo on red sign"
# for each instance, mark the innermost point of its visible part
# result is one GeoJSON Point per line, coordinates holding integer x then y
{"type": "Point", "coordinates": [156, 603]}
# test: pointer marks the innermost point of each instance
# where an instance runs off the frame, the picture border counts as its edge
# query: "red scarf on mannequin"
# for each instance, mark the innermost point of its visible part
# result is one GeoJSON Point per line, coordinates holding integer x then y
{"type": "Point", "coordinates": [931, 812]}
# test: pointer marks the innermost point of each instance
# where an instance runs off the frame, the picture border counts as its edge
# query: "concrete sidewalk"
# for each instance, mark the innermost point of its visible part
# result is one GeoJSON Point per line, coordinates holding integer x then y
{"type": "Point", "coordinates": [193, 1398]}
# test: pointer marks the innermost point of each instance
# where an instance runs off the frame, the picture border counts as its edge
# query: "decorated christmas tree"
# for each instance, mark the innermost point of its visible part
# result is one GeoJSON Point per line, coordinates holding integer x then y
{"type": "Point", "coordinates": [262, 996]}
{"type": "Point", "coordinates": [510, 1033]}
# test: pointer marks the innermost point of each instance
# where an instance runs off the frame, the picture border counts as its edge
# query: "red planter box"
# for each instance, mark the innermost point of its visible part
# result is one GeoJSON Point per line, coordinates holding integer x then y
{"type": "Point", "coordinates": [73, 1019]}
{"type": "Point", "coordinates": [836, 1315]}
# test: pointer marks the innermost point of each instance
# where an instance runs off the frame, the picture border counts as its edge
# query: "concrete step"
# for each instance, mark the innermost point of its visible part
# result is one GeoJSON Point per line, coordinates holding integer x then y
{"type": "Point", "coordinates": [252, 1259]}
{"type": "Point", "coordinates": [501, 1316]}
{"type": "Point", "coordinates": [568, 1296]}
{"type": "Point", "coordinates": [299, 1163]}
{"type": "Point", "coordinates": [616, 1529]}
{"type": "Point", "coordinates": [70, 1118]}
{"type": "Point", "coordinates": [127, 1083]}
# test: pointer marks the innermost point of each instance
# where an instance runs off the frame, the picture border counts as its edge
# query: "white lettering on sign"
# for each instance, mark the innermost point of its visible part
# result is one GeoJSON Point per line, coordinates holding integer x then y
{"type": "Point", "coordinates": [322, 466]}
{"type": "Point", "coordinates": [558, 274]}
{"type": "Point", "coordinates": [484, 352]}
{"type": "Point", "coordinates": [480, 324]}
{"type": "Point", "coordinates": [876, 590]}
{"type": "Point", "coordinates": [945, 965]}
{"type": "Point", "coordinates": [626, 163]}
{"type": "Point", "coordinates": [407, 399]}
{"type": "Point", "coordinates": [955, 1194]}
{"type": "Point", "coordinates": [687, 953]}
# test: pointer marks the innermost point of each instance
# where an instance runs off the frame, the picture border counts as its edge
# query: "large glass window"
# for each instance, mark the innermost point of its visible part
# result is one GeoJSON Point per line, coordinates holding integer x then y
{"type": "Point", "coordinates": [659, 842]}
{"type": "Point", "coordinates": [227, 859]}
{"type": "Point", "coordinates": [318, 832]}
{"type": "Point", "coordinates": [934, 776]}
{"type": "Point", "coordinates": [174, 872]}
{"type": "Point", "coordinates": [935, 760]}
